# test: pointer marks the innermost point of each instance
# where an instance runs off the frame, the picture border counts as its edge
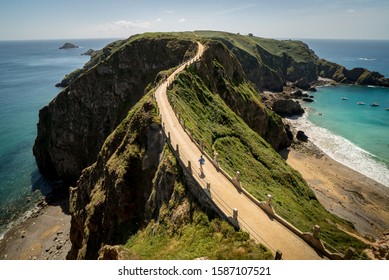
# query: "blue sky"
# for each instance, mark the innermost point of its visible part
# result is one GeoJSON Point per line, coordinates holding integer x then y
{"type": "Point", "coordinates": [52, 19]}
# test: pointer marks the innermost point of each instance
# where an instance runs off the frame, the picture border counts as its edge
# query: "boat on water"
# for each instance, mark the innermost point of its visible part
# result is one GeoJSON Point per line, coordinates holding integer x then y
{"type": "Point", "coordinates": [374, 104]}
{"type": "Point", "coordinates": [344, 98]}
{"type": "Point", "coordinates": [387, 109]}
{"type": "Point", "coordinates": [361, 103]}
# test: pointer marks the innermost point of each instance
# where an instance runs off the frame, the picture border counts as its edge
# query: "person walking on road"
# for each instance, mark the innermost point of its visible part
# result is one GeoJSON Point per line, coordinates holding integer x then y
{"type": "Point", "coordinates": [202, 162]}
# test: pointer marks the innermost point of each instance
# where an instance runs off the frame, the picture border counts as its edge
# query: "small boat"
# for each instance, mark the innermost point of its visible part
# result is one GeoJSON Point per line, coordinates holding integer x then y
{"type": "Point", "coordinates": [361, 103]}
{"type": "Point", "coordinates": [387, 109]}
{"type": "Point", "coordinates": [374, 104]}
{"type": "Point", "coordinates": [344, 98]}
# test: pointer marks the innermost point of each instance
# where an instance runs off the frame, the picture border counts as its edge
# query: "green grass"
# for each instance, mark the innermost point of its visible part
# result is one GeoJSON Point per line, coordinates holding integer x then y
{"type": "Point", "coordinates": [262, 170]}
{"type": "Point", "coordinates": [211, 239]}
{"type": "Point", "coordinates": [296, 49]}
{"type": "Point", "coordinates": [184, 231]}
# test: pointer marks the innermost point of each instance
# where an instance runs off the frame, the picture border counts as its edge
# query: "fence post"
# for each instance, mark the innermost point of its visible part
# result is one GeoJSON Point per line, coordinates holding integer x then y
{"type": "Point", "coordinates": [235, 214]}
{"type": "Point", "coordinates": [278, 255]}
{"type": "Point", "coordinates": [237, 176]}
{"type": "Point", "coordinates": [268, 199]}
{"type": "Point", "coordinates": [209, 187]}
{"type": "Point", "coordinates": [350, 252]}
{"type": "Point", "coordinates": [168, 137]}
{"type": "Point", "coordinates": [316, 231]}
{"type": "Point", "coordinates": [190, 166]}
{"type": "Point", "coordinates": [216, 159]}
{"type": "Point", "coordinates": [177, 150]}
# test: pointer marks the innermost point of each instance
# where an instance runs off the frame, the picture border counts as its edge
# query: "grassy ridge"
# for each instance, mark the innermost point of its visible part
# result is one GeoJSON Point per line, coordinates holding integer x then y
{"type": "Point", "coordinates": [296, 49]}
{"type": "Point", "coordinates": [263, 170]}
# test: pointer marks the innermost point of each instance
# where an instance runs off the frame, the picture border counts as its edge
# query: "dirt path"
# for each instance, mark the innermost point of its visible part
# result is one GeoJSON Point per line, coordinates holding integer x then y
{"type": "Point", "coordinates": [252, 218]}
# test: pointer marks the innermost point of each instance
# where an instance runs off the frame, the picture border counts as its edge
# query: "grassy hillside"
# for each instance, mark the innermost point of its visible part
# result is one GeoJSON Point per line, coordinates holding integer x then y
{"type": "Point", "coordinates": [183, 231]}
{"type": "Point", "coordinates": [262, 170]}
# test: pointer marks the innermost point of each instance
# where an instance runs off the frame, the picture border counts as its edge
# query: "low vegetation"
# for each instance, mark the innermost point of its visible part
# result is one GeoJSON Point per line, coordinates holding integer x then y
{"type": "Point", "coordinates": [262, 170]}
{"type": "Point", "coordinates": [184, 231]}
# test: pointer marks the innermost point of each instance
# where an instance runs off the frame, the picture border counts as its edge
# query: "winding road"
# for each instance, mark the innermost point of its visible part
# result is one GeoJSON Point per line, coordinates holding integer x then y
{"type": "Point", "coordinates": [251, 218]}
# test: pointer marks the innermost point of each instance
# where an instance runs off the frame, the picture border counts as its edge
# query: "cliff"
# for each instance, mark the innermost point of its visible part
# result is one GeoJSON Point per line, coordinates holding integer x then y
{"type": "Point", "coordinates": [135, 194]}
{"type": "Point", "coordinates": [270, 64]}
{"type": "Point", "coordinates": [358, 76]}
{"type": "Point", "coordinates": [73, 127]}
{"type": "Point", "coordinates": [102, 134]}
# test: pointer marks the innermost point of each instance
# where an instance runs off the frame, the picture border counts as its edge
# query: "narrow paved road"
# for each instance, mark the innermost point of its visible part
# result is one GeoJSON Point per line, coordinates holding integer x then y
{"type": "Point", "coordinates": [253, 219]}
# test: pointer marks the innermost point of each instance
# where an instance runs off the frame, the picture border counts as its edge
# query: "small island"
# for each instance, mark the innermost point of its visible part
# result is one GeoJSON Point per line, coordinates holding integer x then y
{"type": "Point", "coordinates": [67, 46]}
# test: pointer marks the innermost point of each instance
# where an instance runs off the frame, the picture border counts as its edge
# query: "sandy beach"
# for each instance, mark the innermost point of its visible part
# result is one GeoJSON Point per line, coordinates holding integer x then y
{"type": "Point", "coordinates": [343, 191]}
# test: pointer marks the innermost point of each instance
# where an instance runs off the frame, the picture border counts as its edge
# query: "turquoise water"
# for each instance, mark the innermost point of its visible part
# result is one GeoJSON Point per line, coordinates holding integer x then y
{"type": "Point", "coordinates": [363, 125]}
{"type": "Point", "coordinates": [28, 72]}
{"type": "Point", "coordinates": [355, 135]}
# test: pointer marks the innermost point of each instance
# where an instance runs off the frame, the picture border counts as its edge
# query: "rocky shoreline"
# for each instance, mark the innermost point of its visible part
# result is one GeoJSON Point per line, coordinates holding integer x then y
{"type": "Point", "coordinates": [41, 234]}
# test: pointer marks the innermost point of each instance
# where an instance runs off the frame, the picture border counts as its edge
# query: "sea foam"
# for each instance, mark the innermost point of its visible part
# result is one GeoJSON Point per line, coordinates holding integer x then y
{"type": "Point", "coordinates": [343, 151]}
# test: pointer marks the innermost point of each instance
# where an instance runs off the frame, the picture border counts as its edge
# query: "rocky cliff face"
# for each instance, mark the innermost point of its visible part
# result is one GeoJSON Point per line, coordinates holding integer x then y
{"type": "Point", "coordinates": [73, 127]}
{"type": "Point", "coordinates": [359, 76]}
{"type": "Point", "coordinates": [271, 64]}
{"type": "Point", "coordinates": [272, 69]}
{"type": "Point", "coordinates": [110, 199]}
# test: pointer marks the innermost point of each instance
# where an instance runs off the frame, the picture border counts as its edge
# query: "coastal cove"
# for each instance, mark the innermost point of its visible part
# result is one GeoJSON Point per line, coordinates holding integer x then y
{"type": "Point", "coordinates": [353, 134]}
{"type": "Point", "coordinates": [341, 121]}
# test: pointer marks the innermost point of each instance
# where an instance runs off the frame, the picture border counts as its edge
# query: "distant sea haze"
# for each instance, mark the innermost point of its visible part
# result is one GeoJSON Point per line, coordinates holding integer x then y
{"type": "Point", "coordinates": [30, 69]}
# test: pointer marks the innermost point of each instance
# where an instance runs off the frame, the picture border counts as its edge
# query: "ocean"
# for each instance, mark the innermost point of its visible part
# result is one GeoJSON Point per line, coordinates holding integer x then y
{"type": "Point", "coordinates": [28, 72]}
{"type": "Point", "coordinates": [30, 69]}
{"type": "Point", "coordinates": [354, 135]}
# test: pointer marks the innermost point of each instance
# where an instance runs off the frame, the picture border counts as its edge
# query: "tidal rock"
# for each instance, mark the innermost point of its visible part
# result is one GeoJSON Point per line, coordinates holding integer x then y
{"type": "Point", "coordinates": [301, 136]}
{"type": "Point", "coordinates": [287, 107]}
{"type": "Point", "coordinates": [298, 94]}
{"type": "Point", "coordinates": [67, 46]}
{"type": "Point", "coordinates": [308, 99]}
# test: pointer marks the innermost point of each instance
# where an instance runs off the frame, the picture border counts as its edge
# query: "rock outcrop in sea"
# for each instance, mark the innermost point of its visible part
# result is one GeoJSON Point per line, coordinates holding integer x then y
{"type": "Point", "coordinates": [67, 46]}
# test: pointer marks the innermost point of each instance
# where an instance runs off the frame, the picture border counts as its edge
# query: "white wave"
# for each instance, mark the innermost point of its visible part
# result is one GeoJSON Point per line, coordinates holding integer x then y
{"type": "Point", "coordinates": [366, 59]}
{"type": "Point", "coordinates": [343, 151]}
